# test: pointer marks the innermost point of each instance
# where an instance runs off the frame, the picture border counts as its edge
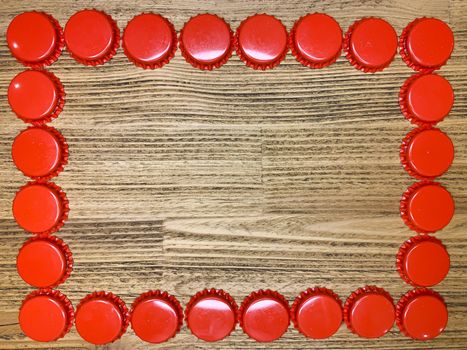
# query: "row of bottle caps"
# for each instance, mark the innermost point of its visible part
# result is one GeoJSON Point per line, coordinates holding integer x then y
{"type": "Point", "coordinates": [206, 41]}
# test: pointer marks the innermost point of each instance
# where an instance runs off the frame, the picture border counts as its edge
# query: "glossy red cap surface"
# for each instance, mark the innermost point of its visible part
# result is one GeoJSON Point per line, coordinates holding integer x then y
{"type": "Point", "coordinates": [40, 152]}
{"type": "Point", "coordinates": [422, 314]}
{"type": "Point", "coordinates": [426, 153]}
{"type": "Point", "coordinates": [261, 41]}
{"type": "Point", "coordinates": [206, 41]}
{"type": "Point", "coordinates": [211, 315]}
{"type": "Point", "coordinates": [317, 313]}
{"type": "Point", "coordinates": [426, 99]}
{"type": "Point", "coordinates": [101, 318]}
{"type": "Point", "coordinates": [316, 40]}
{"type": "Point", "coordinates": [149, 41]}
{"type": "Point", "coordinates": [40, 207]}
{"type": "Point", "coordinates": [35, 39]}
{"type": "Point", "coordinates": [423, 261]}
{"type": "Point", "coordinates": [156, 316]}
{"type": "Point", "coordinates": [264, 315]}
{"type": "Point", "coordinates": [370, 44]}
{"type": "Point", "coordinates": [36, 96]}
{"type": "Point", "coordinates": [426, 44]}
{"type": "Point", "coordinates": [44, 261]}
{"type": "Point", "coordinates": [427, 207]}
{"type": "Point", "coordinates": [369, 312]}
{"type": "Point", "coordinates": [92, 37]}
{"type": "Point", "coordinates": [45, 315]}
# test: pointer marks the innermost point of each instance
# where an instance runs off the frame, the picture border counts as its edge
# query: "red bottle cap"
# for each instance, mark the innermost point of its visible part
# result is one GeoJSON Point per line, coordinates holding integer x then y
{"type": "Point", "coordinates": [370, 44]}
{"type": "Point", "coordinates": [44, 261]}
{"type": "Point", "coordinates": [426, 44]}
{"type": "Point", "coordinates": [264, 315]}
{"type": "Point", "coordinates": [35, 39]}
{"type": "Point", "coordinates": [156, 316]}
{"type": "Point", "coordinates": [92, 37]}
{"type": "Point", "coordinates": [206, 41]}
{"type": "Point", "coordinates": [369, 312]}
{"type": "Point", "coordinates": [427, 207]}
{"type": "Point", "coordinates": [423, 261]}
{"type": "Point", "coordinates": [46, 315]}
{"type": "Point", "coordinates": [426, 153]}
{"type": "Point", "coordinates": [40, 207]}
{"type": "Point", "coordinates": [317, 313]}
{"type": "Point", "coordinates": [316, 40]}
{"type": "Point", "coordinates": [211, 315]}
{"type": "Point", "coordinates": [422, 314]}
{"type": "Point", "coordinates": [261, 41]}
{"type": "Point", "coordinates": [101, 318]}
{"type": "Point", "coordinates": [149, 41]}
{"type": "Point", "coordinates": [36, 96]}
{"type": "Point", "coordinates": [426, 99]}
{"type": "Point", "coordinates": [40, 152]}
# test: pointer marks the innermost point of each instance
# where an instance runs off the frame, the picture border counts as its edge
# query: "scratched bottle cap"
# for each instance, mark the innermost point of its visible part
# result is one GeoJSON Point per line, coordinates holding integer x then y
{"type": "Point", "coordinates": [92, 37]}
{"type": "Point", "coordinates": [261, 41]}
{"type": "Point", "coordinates": [426, 207]}
{"type": "Point", "coordinates": [369, 312]}
{"type": "Point", "coordinates": [426, 99]}
{"type": "Point", "coordinates": [149, 41]}
{"type": "Point", "coordinates": [211, 315]}
{"type": "Point", "coordinates": [40, 152]}
{"type": "Point", "coordinates": [101, 318]}
{"type": "Point", "coordinates": [156, 316]}
{"type": "Point", "coordinates": [40, 207]}
{"type": "Point", "coordinates": [264, 315]}
{"type": "Point", "coordinates": [206, 41]}
{"type": "Point", "coordinates": [426, 44]}
{"type": "Point", "coordinates": [426, 153]}
{"type": "Point", "coordinates": [370, 44]}
{"type": "Point", "coordinates": [316, 40]}
{"type": "Point", "coordinates": [44, 261]}
{"type": "Point", "coordinates": [422, 314]}
{"type": "Point", "coordinates": [317, 313]}
{"type": "Point", "coordinates": [423, 261]}
{"type": "Point", "coordinates": [35, 39]}
{"type": "Point", "coordinates": [46, 315]}
{"type": "Point", "coordinates": [36, 96]}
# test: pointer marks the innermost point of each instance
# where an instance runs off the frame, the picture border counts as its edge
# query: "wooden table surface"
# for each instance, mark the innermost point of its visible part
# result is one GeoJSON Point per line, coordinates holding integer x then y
{"type": "Point", "coordinates": [238, 179]}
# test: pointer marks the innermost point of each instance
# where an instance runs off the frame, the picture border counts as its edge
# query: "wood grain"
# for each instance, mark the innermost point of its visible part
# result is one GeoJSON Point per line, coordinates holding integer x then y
{"type": "Point", "coordinates": [181, 179]}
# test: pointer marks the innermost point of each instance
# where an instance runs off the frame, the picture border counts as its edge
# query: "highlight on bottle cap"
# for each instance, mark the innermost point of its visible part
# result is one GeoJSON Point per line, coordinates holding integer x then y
{"type": "Point", "coordinates": [317, 313]}
{"type": "Point", "coordinates": [423, 261]}
{"type": "Point", "coordinates": [426, 153]}
{"type": "Point", "coordinates": [264, 315]}
{"type": "Point", "coordinates": [36, 96]}
{"type": "Point", "coordinates": [211, 315]}
{"type": "Point", "coordinates": [101, 318]}
{"type": "Point", "coordinates": [316, 40]}
{"type": "Point", "coordinates": [46, 315]}
{"type": "Point", "coordinates": [422, 314]}
{"type": "Point", "coordinates": [40, 152]}
{"type": "Point", "coordinates": [206, 41]}
{"type": "Point", "coordinates": [426, 207]}
{"type": "Point", "coordinates": [426, 99]}
{"type": "Point", "coordinates": [44, 261]}
{"type": "Point", "coordinates": [369, 312]}
{"type": "Point", "coordinates": [156, 316]}
{"type": "Point", "coordinates": [149, 41]}
{"type": "Point", "coordinates": [92, 37]}
{"type": "Point", "coordinates": [370, 44]}
{"type": "Point", "coordinates": [426, 44]}
{"type": "Point", "coordinates": [35, 39]}
{"type": "Point", "coordinates": [261, 41]}
{"type": "Point", "coordinates": [40, 207]}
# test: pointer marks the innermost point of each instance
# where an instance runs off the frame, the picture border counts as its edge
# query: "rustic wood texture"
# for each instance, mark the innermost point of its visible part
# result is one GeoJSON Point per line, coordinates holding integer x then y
{"type": "Point", "coordinates": [238, 179]}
